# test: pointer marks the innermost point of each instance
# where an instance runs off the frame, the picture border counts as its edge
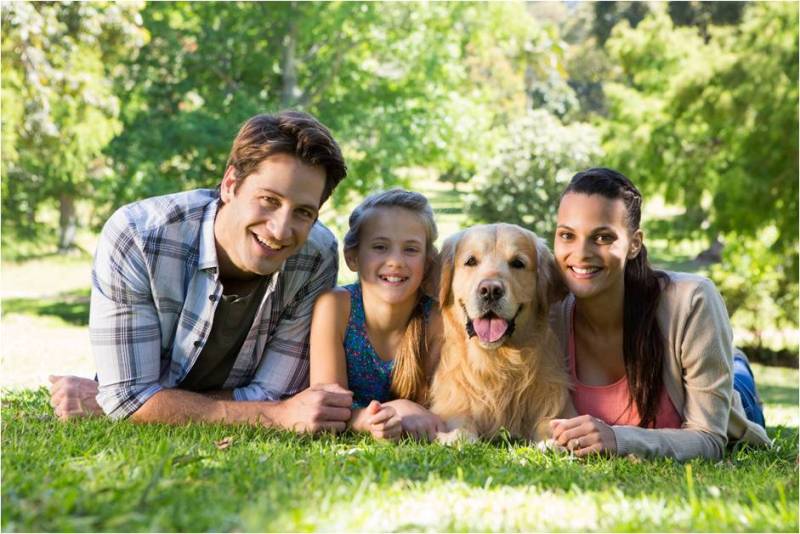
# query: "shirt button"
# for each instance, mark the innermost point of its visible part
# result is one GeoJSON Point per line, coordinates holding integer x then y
{"type": "Point", "coordinates": [212, 297]}
{"type": "Point", "coordinates": [198, 343]}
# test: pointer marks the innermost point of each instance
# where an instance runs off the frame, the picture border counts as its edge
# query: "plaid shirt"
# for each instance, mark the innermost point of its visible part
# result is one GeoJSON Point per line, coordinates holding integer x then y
{"type": "Point", "coordinates": [155, 287]}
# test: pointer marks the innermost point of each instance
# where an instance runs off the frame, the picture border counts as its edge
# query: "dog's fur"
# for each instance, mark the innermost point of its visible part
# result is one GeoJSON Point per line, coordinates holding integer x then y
{"type": "Point", "coordinates": [518, 382]}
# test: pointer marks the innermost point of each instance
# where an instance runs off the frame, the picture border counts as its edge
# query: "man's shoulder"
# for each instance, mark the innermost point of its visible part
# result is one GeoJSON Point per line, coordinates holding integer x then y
{"type": "Point", "coordinates": [320, 244]}
{"type": "Point", "coordinates": [321, 238]}
{"type": "Point", "coordinates": [166, 210]}
{"type": "Point", "coordinates": [318, 257]}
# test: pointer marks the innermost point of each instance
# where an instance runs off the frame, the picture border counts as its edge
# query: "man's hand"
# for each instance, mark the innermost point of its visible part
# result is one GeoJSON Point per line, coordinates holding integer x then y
{"type": "Point", "coordinates": [318, 408]}
{"type": "Point", "coordinates": [416, 421]}
{"type": "Point", "coordinates": [73, 396]}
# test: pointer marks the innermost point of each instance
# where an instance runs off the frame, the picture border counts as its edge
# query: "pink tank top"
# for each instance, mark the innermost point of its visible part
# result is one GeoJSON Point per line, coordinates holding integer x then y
{"type": "Point", "coordinates": [612, 403]}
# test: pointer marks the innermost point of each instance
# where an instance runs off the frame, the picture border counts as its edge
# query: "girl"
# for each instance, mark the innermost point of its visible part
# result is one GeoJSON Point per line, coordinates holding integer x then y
{"type": "Point", "coordinates": [380, 337]}
{"type": "Point", "coordinates": [650, 352]}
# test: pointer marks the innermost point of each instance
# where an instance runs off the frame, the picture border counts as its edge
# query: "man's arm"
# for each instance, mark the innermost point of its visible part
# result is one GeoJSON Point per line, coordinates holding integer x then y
{"type": "Point", "coordinates": [319, 408]}
{"type": "Point", "coordinates": [124, 324]}
{"type": "Point", "coordinates": [311, 411]}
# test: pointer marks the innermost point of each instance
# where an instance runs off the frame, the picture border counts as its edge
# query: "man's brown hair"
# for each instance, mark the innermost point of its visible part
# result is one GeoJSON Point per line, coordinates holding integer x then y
{"type": "Point", "coordinates": [289, 132]}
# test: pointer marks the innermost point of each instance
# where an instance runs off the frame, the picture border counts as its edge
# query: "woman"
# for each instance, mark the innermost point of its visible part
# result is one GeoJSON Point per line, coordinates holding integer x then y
{"type": "Point", "coordinates": [650, 352]}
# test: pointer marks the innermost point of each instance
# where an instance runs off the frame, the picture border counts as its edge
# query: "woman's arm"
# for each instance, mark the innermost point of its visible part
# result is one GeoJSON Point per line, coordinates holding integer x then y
{"type": "Point", "coordinates": [698, 333]}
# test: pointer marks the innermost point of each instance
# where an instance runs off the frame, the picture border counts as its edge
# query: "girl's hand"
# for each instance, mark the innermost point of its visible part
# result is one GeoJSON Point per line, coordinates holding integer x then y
{"type": "Point", "coordinates": [382, 421]}
{"type": "Point", "coordinates": [584, 435]}
{"type": "Point", "coordinates": [417, 422]}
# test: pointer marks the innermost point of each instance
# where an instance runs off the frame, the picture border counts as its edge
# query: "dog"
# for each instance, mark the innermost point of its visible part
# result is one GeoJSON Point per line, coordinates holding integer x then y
{"type": "Point", "coordinates": [500, 366]}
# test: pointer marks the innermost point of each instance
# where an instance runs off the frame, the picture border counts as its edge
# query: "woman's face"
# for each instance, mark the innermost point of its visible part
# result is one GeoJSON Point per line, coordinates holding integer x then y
{"type": "Point", "coordinates": [593, 243]}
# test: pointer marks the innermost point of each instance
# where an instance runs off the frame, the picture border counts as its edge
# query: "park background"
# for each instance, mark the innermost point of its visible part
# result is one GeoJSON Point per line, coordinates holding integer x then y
{"type": "Point", "coordinates": [488, 108]}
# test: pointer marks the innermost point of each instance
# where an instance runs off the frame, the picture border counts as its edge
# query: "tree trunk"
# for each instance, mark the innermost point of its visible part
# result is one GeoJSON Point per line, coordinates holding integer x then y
{"type": "Point", "coordinates": [289, 67]}
{"type": "Point", "coordinates": [68, 222]}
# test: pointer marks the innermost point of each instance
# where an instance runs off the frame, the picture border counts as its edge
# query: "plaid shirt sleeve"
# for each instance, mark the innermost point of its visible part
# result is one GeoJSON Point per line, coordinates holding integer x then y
{"type": "Point", "coordinates": [284, 369]}
{"type": "Point", "coordinates": [123, 322]}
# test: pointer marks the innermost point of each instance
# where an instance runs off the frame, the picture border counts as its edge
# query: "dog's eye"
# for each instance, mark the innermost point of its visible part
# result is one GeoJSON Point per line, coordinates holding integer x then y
{"type": "Point", "coordinates": [517, 263]}
{"type": "Point", "coordinates": [471, 262]}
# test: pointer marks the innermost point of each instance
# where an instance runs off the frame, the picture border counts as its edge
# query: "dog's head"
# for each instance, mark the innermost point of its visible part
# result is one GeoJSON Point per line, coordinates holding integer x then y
{"type": "Point", "coordinates": [496, 277]}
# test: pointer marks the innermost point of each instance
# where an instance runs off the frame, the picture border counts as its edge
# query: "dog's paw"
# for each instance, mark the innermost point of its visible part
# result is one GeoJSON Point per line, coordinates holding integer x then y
{"type": "Point", "coordinates": [456, 436]}
{"type": "Point", "coordinates": [550, 445]}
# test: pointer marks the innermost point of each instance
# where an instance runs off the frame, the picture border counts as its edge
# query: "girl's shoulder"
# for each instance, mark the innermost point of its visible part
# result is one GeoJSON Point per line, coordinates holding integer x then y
{"type": "Point", "coordinates": [334, 302]}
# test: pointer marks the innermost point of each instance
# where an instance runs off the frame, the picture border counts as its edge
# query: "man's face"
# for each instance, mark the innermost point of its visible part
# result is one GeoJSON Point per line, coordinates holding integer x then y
{"type": "Point", "coordinates": [268, 217]}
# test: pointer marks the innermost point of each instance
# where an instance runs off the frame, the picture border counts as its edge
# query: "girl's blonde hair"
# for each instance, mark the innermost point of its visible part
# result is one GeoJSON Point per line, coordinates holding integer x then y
{"type": "Point", "coordinates": [408, 377]}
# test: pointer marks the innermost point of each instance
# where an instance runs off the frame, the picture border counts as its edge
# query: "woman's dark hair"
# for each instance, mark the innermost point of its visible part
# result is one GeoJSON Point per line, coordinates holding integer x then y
{"type": "Point", "coordinates": [643, 343]}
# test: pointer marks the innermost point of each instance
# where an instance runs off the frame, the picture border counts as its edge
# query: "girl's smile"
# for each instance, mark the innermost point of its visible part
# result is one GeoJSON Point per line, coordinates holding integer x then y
{"type": "Point", "coordinates": [390, 258]}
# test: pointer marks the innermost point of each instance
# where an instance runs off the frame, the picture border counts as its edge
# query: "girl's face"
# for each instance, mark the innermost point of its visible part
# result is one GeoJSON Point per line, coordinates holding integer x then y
{"type": "Point", "coordinates": [593, 243]}
{"type": "Point", "coordinates": [390, 258]}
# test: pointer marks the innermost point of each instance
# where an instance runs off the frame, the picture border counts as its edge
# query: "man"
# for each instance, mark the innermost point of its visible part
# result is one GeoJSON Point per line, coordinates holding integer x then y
{"type": "Point", "coordinates": [201, 301]}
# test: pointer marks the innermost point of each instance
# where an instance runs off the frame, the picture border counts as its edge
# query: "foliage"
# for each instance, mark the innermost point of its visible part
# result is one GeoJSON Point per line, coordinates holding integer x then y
{"type": "Point", "coordinates": [524, 179]}
{"type": "Point", "coordinates": [59, 105]}
{"type": "Point", "coordinates": [753, 282]}
{"type": "Point", "coordinates": [704, 14]}
{"type": "Point", "coordinates": [98, 475]}
{"type": "Point", "coordinates": [398, 85]}
{"type": "Point", "coordinates": [713, 127]}
{"type": "Point", "coordinates": [608, 14]}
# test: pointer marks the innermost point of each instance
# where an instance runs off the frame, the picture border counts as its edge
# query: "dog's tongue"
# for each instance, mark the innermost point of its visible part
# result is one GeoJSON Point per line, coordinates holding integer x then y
{"type": "Point", "coordinates": [490, 330]}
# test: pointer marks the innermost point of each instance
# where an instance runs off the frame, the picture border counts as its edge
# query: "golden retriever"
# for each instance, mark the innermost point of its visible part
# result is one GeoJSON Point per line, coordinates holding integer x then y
{"type": "Point", "coordinates": [500, 366]}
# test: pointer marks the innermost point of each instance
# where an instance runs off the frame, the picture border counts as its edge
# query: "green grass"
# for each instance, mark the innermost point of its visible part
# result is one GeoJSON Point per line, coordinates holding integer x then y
{"type": "Point", "coordinates": [101, 475]}
{"type": "Point", "coordinates": [69, 307]}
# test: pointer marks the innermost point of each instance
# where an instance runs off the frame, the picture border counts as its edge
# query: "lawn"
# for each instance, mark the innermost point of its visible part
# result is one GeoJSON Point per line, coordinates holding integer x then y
{"type": "Point", "coordinates": [96, 475]}
{"type": "Point", "coordinates": [100, 475]}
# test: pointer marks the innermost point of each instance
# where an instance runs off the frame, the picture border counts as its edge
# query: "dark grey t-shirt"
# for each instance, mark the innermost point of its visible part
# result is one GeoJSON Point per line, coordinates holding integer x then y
{"type": "Point", "coordinates": [232, 320]}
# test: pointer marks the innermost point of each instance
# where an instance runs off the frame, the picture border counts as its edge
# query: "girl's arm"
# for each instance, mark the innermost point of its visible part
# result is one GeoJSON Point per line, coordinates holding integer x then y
{"type": "Point", "coordinates": [328, 325]}
{"type": "Point", "coordinates": [329, 364]}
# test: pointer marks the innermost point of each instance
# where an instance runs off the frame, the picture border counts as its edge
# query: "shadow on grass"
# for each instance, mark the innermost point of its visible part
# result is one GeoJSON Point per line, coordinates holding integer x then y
{"type": "Point", "coordinates": [71, 307]}
{"type": "Point", "coordinates": [778, 395]}
{"type": "Point", "coordinates": [24, 256]}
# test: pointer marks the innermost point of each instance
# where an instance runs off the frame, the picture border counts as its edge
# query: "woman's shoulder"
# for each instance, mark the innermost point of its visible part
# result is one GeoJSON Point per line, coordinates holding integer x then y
{"type": "Point", "coordinates": [684, 289]}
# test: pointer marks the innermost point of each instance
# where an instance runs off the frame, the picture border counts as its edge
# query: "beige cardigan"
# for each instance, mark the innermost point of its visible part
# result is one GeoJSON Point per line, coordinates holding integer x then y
{"type": "Point", "coordinates": [698, 375]}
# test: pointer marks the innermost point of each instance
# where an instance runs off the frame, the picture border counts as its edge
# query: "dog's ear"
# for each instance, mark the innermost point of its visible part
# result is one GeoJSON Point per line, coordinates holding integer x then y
{"type": "Point", "coordinates": [550, 284]}
{"type": "Point", "coordinates": [446, 264]}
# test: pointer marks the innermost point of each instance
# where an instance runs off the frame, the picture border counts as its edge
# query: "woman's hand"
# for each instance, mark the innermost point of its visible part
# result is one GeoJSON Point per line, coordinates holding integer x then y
{"type": "Point", "coordinates": [417, 422]}
{"type": "Point", "coordinates": [584, 435]}
{"type": "Point", "coordinates": [378, 419]}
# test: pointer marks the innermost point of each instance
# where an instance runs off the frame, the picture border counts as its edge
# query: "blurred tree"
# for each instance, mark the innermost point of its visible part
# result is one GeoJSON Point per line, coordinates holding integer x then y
{"type": "Point", "coordinates": [522, 182]}
{"type": "Point", "coordinates": [703, 14]}
{"type": "Point", "coordinates": [713, 126]}
{"type": "Point", "coordinates": [397, 84]}
{"type": "Point", "coordinates": [59, 61]}
{"type": "Point", "coordinates": [608, 14]}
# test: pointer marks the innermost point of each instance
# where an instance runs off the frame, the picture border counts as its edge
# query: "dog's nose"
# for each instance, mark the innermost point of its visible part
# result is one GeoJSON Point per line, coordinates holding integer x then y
{"type": "Point", "coordinates": [491, 290]}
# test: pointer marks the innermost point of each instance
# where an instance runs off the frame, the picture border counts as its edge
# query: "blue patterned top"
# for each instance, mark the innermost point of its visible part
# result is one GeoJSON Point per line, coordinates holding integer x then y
{"type": "Point", "coordinates": [368, 376]}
